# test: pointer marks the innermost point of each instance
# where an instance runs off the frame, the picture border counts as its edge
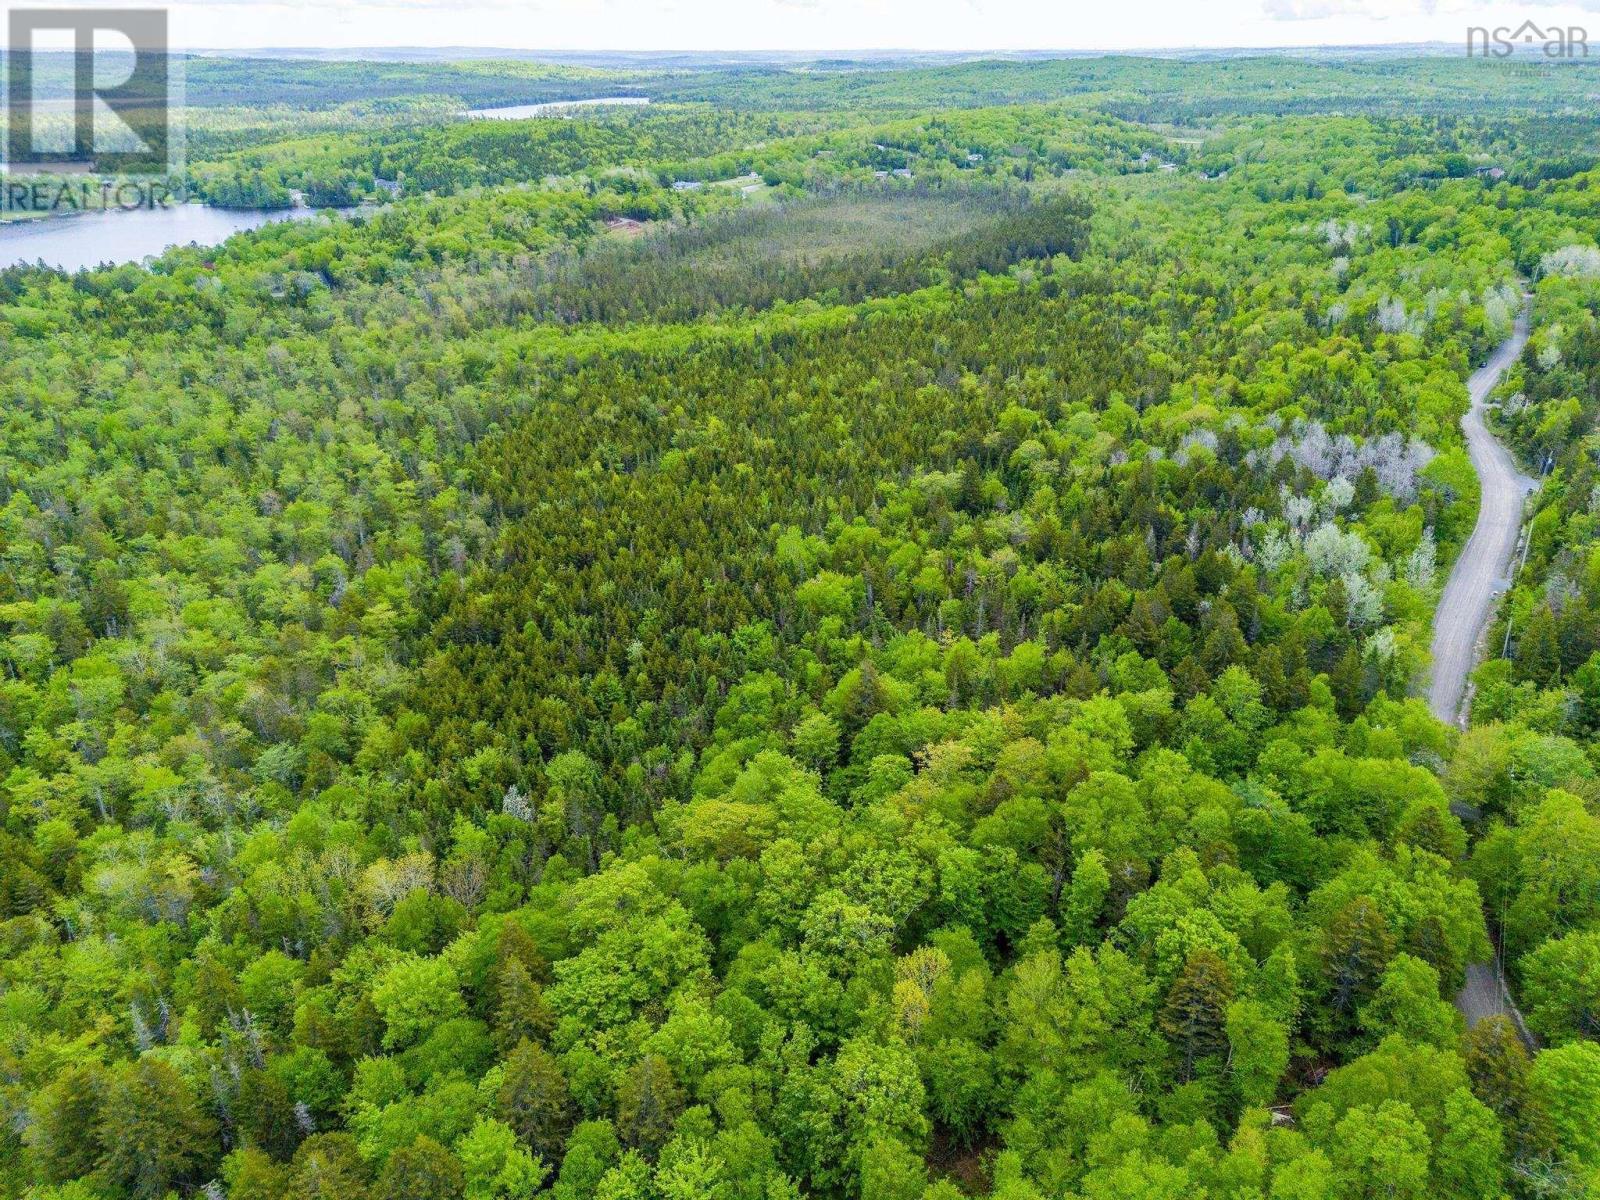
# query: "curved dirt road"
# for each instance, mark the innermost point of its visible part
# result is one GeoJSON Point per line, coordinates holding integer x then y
{"type": "Point", "coordinates": [1480, 573]}
{"type": "Point", "coordinates": [1483, 996]}
{"type": "Point", "coordinates": [1478, 576]}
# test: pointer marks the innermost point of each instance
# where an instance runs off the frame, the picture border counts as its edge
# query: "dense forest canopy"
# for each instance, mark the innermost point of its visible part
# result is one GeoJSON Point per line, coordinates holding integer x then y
{"type": "Point", "coordinates": [846, 633]}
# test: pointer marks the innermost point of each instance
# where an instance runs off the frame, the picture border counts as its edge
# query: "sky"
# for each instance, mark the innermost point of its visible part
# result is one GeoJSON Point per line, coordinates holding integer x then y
{"type": "Point", "coordinates": [831, 25]}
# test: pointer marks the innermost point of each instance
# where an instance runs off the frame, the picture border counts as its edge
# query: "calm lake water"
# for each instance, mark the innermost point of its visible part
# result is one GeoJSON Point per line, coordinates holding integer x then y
{"type": "Point", "coordinates": [93, 239]}
{"type": "Point", "coordinates": [521, 112]}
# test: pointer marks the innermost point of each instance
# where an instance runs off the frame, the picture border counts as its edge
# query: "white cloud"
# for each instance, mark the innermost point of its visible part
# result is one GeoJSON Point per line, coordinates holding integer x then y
{"type": "Point", "coordinates": [1314, 10]}
{"type": "Point", "coordinates": [1492, 12]}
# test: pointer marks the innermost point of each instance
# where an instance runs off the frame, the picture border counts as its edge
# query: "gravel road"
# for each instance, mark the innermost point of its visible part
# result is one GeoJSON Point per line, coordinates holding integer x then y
{"type": "Point", "coordinates": [1480, 573]}
{"type": "Point", "coordinates": [1481, 996]}
{"type": "Point", "coordinates": [1478, 577]}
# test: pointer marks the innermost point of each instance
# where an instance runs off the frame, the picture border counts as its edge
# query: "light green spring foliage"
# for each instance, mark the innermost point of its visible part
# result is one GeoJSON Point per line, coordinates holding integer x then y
{"type": "Point", "coordinates": [778, 708]}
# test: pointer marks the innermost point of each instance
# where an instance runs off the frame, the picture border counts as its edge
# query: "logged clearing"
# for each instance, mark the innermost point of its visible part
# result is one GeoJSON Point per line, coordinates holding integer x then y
{"type": "Point", "coordinates": [815, 232]}
{"type": "Point", "coordinates": [840, 248]}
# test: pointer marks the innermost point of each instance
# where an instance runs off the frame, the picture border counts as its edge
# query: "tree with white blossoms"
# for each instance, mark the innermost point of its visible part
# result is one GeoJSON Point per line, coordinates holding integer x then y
{"type": "Point", "coordinates": [1341, 236]}
{"type": "Point", "coordinates": [1391, 315]}
{"type": "Point", "coordinates": [1549, 354]}
{"type": "Point", "coordinates": [1422, 562]}
{"type": "Point", "coordinates": [1276, 550]}
{"type": "Point", "coordinates": [1365, 601]}
{"type": "Point", "coordinates": [1397, 461]}
{"type": "Point", "coordinates": [1500, 305]}
{"type": "Point", "coordinates": [1336, 497]}
{"type": "Point", "coordinates": [1333, 552]}
{"type": "Point", "coordinates": [1381, 646]}
{"type": "Point", "coordinates": [1204, 438]}
{"type": "Point", "coordinates": [1297, 510]}
{"type": "Point", "coordinates": [1314, 450]}
{"type": "Point", "coordinates": [515, 804]}
{"type": "Point", "coordinates": [1574, 262]}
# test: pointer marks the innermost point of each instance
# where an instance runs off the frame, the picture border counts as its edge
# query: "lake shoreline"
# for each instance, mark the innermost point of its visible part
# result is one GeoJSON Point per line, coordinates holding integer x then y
{"type": "Point", "coordinates": [9, 218]}
{"type": "Point", "coordinates": [118, 237]}
{"type": "Point", "coordinates": [548, 108]}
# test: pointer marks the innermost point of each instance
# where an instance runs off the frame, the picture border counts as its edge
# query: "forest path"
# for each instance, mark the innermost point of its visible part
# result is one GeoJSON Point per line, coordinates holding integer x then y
{"type": "Point", "coordinates": [1478, 577]}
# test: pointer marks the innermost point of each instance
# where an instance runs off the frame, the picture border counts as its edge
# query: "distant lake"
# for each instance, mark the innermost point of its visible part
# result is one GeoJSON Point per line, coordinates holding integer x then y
{"type": "Point", "coordinates": [93, 239]}
{"type": "Point", "coordinates": [521, 112]}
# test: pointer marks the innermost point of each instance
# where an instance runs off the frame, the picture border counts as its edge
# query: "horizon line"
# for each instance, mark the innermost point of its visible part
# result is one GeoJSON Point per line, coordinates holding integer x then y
{"type": "Point", "coordinates": [813, 53]}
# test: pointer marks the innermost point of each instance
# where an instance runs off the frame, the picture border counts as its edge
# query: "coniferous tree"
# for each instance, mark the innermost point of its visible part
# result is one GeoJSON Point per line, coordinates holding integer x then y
{"type": "Point", "coordinates": [1195, 1014]}
{"type": "Point", "coordinates": [533, 1099]}
{"type": "Point", "coordinates": [153, 1134]}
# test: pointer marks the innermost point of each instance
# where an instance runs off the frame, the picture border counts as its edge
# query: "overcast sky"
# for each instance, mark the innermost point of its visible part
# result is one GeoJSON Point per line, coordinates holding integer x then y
{"type": "Point", "coordinates": [849, 24]}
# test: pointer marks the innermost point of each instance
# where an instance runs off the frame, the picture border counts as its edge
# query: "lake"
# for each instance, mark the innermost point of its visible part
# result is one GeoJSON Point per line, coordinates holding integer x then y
{"type": "Point", "coordinates": [93, 239]}
{"type": "Point", "coordinates": [521, 112]}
